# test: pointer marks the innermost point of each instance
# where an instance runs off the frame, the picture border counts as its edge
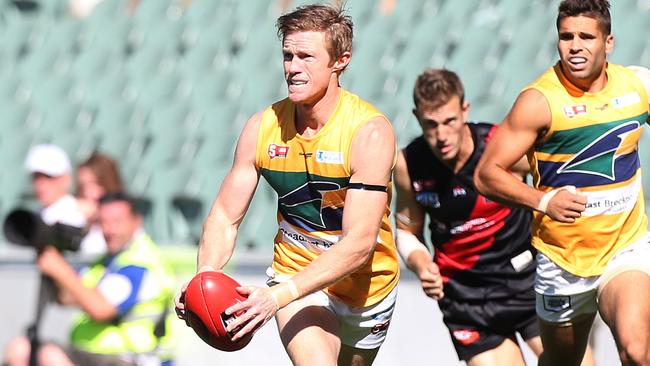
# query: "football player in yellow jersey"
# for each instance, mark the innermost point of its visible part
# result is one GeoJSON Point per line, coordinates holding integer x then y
{"type": "Point", "coordinates": [315, 328]}
{"type": "Point", "coordinates": [579, 124]}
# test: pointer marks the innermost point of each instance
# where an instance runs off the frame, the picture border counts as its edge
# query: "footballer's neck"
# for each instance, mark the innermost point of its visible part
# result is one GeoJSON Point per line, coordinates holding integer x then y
{"type": "Point", "coordinates": [311, 117]}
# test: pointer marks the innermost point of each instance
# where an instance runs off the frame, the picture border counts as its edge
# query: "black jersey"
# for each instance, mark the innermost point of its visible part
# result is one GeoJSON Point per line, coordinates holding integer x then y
{"type": "Point", "coordinates": [482, 248]}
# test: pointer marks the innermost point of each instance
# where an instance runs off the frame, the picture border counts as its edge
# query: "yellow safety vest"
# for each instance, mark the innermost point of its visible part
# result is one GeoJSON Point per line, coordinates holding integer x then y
{"type": "Point", "coordinates": [133, 332]}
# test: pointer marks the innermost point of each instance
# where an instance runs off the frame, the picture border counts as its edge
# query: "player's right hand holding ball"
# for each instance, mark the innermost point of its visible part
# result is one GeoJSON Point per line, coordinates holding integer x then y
{"type": "Point", "coordinates": [179, 299]}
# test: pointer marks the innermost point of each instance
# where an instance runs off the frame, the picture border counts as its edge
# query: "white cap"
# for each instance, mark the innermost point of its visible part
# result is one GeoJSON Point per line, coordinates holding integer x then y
{"type": "Point", "coordinates": [48, 159]}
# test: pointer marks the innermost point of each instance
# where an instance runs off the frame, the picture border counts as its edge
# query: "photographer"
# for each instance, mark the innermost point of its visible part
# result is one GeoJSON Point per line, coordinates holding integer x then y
{"type": "Point", "coordinates": [50, 171]}
{"type": "Point", "coordinates": [124, 297]}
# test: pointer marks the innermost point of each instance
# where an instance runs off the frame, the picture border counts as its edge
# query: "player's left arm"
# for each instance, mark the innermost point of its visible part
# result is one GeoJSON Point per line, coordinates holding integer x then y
{"type": "Point", "coordinates": [520, 168]}
{"type": "Point", "coordinates": [644, 74]}
{"type": "Point", "coordinates": [371, 160]}
{"type": "Point", "coordinates": [409, 233]}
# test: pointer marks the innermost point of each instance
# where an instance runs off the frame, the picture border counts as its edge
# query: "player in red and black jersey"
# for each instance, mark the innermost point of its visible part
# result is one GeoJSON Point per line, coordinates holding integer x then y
{"type": "Point", "coordinates": [483, 269]}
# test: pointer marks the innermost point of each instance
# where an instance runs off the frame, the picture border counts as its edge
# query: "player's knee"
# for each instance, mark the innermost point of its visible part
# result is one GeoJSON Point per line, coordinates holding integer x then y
{"type": "Point", "coordinates": [17, 352]}
{"type": "Point", "coordinates": [635, 352]}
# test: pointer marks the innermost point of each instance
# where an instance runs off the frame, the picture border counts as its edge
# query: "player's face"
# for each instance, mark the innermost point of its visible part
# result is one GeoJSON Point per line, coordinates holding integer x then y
{"type": "Point", "coordinates": [444, 128]}
{"type": "Point", "coordinates": [307, 66]}
{"type": "Point", "coordinates": [118, 224]}
{"type": "Point", "coordinates": [583, 48]}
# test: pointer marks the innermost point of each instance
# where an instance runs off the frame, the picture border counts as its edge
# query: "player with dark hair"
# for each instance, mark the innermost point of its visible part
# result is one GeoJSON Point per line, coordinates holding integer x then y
{"type": "Point", "coordinates": [579, 125]}
{"type": "Point", "coordinates": [329, 155]}
{"type": "Point", "coordinates": [483, 267]}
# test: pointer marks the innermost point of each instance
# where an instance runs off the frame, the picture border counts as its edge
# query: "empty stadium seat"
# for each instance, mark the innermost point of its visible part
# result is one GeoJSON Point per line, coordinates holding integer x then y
{"type": "Point", "coordinates": [167, 89]}
{"type": "Point", "coordinates": [259, 227]}
{"type": "Point", "coordinates": [125, 147]}
{"type": "Point", "coordinates": [160, 90]}
{"type": "Point", "coordinates": [111, 86]}
{"type": "Point", "coordinates": [115, 116]}
{"type": "Point", "coordinates": [205, 59]}
{"type": "Point", "coordinates": [15, 116]}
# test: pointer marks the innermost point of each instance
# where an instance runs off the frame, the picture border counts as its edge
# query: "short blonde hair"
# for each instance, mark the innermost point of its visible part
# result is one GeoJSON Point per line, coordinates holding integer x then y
{"type": "Point", "coordinates": [336, 25]}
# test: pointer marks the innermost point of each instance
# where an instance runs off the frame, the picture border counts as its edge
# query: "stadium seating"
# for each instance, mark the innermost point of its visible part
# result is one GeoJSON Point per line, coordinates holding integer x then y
{"type": "Point", "coordinates": [167, 89]}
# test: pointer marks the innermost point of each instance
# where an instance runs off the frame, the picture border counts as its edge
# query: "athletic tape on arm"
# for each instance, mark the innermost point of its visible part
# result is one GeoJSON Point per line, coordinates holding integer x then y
{"type": "Point", "coordinates": [285, 292]}
{"type": "Point", "coordinates": [408, 243]}
{"type": "Point", "coordinates": [546, 198]}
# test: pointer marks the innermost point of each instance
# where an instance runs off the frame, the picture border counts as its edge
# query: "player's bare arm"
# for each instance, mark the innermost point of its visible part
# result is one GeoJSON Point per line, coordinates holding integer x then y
{"type": "Point", "coordinates": [409, 221]}
{"type": "Point", "coordinates": [372, 155]}
{"type": "Point", "coordinates": [371, 162]}
{"type": "Point", "coordinates": [228, 209]}
{"type": "Point", "coordinates": [526, 123]}
{"type": "Point", "coordinates": [220, 227]}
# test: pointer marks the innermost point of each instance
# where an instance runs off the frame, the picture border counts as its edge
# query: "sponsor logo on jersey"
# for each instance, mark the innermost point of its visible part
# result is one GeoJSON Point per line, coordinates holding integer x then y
{"type": "Point", "coordinates": [459, 191]}
{"type": "Point", "coordinates": [380, 327]}
{"type": "Point", "coordinates": [575, 110]}
{"type": "Point", "coordinates": [626, 100]}
{"type": "Point", "coordinates": [612, 201]}
{"type": "Point", "coordinates": [556, 304]}
{"type": "Point", "coordinates": [317, 203]}
{"type": "Point", "coordinates": [295, 237]}
{"type": "Point", "coordinates": [466, 336]}
{"type": "Point", "coordinates": [329, 157]}
{"type": "Point", "coordinates": [603, 107]}
{"type": "Point", "coordinates": [599, 157]}
{"type": "Point", "coordinates": [476, 224]}
{"type": "Point", "coordinates": [278, 151]}
{"type": "Point", "coordinates": [428, 199]}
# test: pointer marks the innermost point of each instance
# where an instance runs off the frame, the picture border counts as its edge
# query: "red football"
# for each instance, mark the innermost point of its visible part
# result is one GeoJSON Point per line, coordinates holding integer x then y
{"type": "Point", "coordinates": [207, 296]}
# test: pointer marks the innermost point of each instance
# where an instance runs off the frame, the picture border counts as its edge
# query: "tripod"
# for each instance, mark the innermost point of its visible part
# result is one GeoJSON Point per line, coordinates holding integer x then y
{"type": "Point", "coordinates": [46, 293]}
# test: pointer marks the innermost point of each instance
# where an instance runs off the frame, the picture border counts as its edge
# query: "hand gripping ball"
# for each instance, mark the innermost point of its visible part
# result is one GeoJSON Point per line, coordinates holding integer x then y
{"type": "Point", "coordinates": [207, 297]}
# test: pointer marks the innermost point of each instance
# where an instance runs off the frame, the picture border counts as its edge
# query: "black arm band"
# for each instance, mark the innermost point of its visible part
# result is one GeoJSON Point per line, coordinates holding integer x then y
{"type": "Point", "coordinates": [367, 187]}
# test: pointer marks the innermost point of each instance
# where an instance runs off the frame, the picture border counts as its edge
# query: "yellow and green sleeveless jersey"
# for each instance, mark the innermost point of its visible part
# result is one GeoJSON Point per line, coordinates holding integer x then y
{"type": "Point", "coordinates": [311, 176]}
{"type": "Point", "coordinates": [592, 145]}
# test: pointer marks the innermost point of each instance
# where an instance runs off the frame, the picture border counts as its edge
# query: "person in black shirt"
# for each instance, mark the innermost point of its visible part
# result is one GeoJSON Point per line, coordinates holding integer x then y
{"type": "Point", "coordinates": [483, 269]}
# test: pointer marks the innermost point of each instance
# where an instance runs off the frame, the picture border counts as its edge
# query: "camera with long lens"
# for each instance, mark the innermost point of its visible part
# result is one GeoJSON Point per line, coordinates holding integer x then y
{"type": "Point", "coordinates": [26, 228]}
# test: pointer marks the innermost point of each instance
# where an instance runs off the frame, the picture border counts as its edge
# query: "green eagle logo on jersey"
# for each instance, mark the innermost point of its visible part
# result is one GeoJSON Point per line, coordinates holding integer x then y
{"type": "Point", "coordinates": [599, 157]}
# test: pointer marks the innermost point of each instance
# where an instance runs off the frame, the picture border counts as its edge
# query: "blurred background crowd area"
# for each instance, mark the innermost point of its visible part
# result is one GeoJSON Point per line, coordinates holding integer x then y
{"type": "Point", "coordinates": [164, 86]}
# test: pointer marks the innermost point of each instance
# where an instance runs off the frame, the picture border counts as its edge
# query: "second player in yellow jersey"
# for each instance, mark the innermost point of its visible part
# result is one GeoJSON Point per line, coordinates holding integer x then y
{"type": "Point", "coordinates": [580, 124]}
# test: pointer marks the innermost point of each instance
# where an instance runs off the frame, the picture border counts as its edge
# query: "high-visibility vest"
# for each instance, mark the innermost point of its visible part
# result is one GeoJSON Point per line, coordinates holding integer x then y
{"type": "Point", "coordinates": [133, 332]}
